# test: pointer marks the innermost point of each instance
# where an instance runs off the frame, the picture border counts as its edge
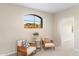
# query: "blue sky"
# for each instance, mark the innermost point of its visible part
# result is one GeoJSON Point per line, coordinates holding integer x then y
{"type": "Point", "coordinates": [31, 18]}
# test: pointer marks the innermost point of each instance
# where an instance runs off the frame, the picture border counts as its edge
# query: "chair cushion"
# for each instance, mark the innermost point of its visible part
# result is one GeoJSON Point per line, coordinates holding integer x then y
{"type": "Point", "coordinates": [19, 42]}
{"type": "Point", "coordinates": [30, 50]}
{"type": "Point", "coordinates": [49, 45]}
{"type": "Point", "coordinates": [25, 43]}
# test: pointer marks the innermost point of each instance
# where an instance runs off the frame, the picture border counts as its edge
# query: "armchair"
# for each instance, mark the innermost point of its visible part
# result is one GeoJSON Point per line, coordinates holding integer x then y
{"type": "Point", "coordinates": [48, 43]}
{"type": "Point", "coordinates": [22, 50]}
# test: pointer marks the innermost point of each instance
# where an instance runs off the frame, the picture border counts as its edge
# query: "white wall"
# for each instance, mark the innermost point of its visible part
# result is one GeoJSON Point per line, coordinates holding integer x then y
{"type": "Point", "coordinates": [65, 14]}
{"type": "Point", "coordinates": [12, 27]}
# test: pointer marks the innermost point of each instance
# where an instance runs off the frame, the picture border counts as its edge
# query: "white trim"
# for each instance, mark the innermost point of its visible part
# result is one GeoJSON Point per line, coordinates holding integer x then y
{"type": "Point", "coordinates": [7, 54]}
{"type": "Point", "coordinates": [76, 49]}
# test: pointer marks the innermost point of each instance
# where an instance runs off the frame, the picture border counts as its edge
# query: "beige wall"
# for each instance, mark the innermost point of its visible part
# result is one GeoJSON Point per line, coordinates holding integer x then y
{"type": "Point", "coordinates": [12, 28]}
{"type": "Point", "coordinates": [72, 12]}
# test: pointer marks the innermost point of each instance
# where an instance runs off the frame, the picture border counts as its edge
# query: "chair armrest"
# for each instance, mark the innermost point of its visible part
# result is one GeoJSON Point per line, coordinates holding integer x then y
{"type": "Point", "coordinates": [52, 41]}
{"type": "Point", "coordinates": [21, 49]}
{"type": "Point", "coordinates": [32, 44]}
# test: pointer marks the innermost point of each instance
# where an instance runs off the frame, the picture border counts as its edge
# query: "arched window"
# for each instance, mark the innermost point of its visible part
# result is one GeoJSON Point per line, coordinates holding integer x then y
{"type": "Point", "coordinates": [33, 21]}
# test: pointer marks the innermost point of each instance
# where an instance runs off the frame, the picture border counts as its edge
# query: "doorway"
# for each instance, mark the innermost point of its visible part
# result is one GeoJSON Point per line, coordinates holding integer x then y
{"type": "Point", "coordinates": [66, 32]}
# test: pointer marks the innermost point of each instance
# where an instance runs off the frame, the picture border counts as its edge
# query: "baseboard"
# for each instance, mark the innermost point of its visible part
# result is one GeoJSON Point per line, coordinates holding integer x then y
{"type": "Point", "coordinates": [7, 54]}
{"type": "Point", "coordinates": [76, 49]}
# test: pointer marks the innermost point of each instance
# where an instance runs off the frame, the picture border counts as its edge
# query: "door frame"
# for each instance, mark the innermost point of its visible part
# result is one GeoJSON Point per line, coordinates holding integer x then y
{"type": "Point", "coordinates": [59, 25]}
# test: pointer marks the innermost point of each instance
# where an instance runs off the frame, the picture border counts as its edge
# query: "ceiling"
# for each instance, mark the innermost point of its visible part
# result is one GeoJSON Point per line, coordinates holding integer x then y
{"type": "Point", "coordinates": [49, 7]}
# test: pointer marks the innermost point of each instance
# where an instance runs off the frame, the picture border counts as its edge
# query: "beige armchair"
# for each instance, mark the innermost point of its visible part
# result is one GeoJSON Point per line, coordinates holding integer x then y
{"type": "Point", "coordinates": [48, 43]}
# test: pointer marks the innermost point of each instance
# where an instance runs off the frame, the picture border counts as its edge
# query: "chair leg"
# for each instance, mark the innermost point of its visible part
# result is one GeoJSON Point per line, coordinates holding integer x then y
{"type": "Point", "coordinates": [17, 53]}
{"type": "Point", "coordinates": [54, 48]}
{"type": "Point", "coordinates": [35, 51]}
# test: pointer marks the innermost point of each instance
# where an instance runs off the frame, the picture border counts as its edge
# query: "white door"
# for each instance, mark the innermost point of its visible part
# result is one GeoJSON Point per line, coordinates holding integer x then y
{"type": "Point", "coordinates": [66, 32]}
